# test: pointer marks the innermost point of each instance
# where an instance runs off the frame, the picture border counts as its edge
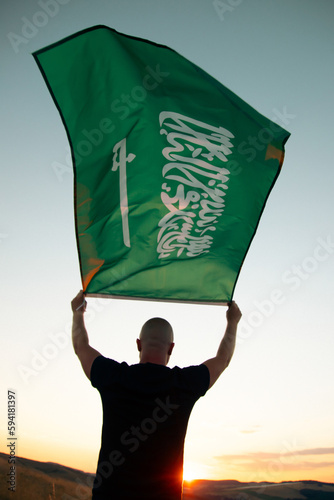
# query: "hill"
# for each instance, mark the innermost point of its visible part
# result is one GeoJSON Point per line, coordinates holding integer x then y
{"type": "Point", "coordinates": [50, 481]}
{"type": "Point", "coordinates": [44, 481]}
{"type": "Point", "coordinates": [234, 490]}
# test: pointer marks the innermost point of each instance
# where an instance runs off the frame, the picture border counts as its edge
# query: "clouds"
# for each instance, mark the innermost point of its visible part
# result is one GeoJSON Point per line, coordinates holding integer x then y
{"type": "Point", "coordinates": [317, 451]}
{"type": "Point", "coordinates": [260, 455]}
{"type": "Point", "coordinates": [270, 465]}
{"type": "Point", "coordinates": [251, 430]}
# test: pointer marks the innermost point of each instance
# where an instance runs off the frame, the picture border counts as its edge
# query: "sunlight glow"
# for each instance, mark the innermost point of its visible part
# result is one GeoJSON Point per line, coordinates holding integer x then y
{"type": "Point", "coordinates": [192, 471]}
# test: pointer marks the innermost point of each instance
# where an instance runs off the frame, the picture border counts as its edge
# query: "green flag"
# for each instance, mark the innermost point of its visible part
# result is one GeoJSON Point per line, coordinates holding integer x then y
{"type": "Point", "coordinates": [171, 169]}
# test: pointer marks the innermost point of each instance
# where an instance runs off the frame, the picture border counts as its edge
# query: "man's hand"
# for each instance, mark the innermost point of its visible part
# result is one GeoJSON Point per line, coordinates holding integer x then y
{"type": "Point", "coordinates": [80, 340]}
{"type": "Point", "coordinates": [225, 351]}
{"type": "Point", "coordinates": [233, 313]}
{"type": "Point", "coordinates": [79, 303]}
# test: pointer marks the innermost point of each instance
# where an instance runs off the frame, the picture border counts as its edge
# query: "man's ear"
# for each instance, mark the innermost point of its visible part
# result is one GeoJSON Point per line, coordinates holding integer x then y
{"type": "Point", "coordinates": [170, 350]}
{"type": "Point", "coordinates": [138, 344]}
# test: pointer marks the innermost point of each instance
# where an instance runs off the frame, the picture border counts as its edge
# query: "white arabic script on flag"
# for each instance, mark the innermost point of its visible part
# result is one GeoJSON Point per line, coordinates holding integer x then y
{"type": "Point", "coordinates": [197, 183]}
{"type": "Point", "coordinates": [120, 159]}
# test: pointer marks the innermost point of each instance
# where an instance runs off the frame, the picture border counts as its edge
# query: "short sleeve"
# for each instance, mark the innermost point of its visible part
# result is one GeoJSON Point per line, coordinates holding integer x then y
{"type": "Point", "coordinates": [196, 379]}
{"type": "Point", "coordinates": [103, 372]}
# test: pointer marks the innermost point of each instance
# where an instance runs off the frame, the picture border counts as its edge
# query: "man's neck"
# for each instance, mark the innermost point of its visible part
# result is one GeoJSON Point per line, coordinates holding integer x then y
{"type": "Point", "coordinates": [155, 358]}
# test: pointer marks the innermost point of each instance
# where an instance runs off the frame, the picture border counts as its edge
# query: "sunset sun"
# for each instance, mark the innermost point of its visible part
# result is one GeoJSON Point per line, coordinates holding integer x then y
{"type": "Point", "coordinates": [192, 471]}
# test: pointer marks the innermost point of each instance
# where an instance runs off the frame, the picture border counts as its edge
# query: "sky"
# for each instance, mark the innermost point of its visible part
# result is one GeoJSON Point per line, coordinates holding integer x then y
{"type": "Point", "coordinates": [270, 415]}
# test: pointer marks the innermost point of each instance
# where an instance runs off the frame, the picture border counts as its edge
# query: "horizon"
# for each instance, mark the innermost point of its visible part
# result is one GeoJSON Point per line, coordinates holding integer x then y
{"type": "Point", "coordinates": [189, 481]}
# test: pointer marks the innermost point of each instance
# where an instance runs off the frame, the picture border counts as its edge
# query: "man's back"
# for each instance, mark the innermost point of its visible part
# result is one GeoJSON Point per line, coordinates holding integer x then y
{"type": "Point", "coordinates": [146, 408]}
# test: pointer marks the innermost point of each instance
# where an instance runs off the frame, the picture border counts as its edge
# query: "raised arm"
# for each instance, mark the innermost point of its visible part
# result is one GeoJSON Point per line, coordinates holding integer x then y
{"type": "Point", "coordinates": [80, 341]}
{"type": "Point", "coordinates": [225, 351]}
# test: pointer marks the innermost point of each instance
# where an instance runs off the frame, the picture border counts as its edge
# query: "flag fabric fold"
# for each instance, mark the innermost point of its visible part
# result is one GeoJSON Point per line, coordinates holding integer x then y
{"type": "Point", "coordinates": [172, 170]}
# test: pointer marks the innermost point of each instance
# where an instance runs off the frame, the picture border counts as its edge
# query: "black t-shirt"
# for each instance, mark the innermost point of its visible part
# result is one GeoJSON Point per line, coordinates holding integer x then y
{"type": "Point", "coordinates": [146, 408]}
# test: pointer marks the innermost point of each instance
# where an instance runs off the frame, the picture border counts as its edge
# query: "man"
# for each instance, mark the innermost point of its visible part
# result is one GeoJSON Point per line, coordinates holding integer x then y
{"type": "Point", "coordinates": [146, 408]}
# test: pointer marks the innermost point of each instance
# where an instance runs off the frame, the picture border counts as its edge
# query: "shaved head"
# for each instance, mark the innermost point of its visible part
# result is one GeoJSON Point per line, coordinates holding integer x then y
{"type": "Point", "coordinates": [156, 340]}
{"type": "Point", "coordinates": [157, 331]}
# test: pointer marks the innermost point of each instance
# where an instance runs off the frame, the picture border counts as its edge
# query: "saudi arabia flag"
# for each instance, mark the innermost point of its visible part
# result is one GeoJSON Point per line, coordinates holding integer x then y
{"type": "Point", "coordinates": [171, 169]}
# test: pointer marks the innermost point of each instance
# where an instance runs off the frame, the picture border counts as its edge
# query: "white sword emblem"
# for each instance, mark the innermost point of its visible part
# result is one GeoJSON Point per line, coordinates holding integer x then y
{"type": "Point", "coordinates": [120, 148]}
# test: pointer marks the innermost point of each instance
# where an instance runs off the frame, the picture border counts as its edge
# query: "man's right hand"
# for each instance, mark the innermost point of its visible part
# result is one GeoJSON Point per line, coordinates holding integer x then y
{"type": "Point", "coordinates": [217, 365]}
{"type": "Point", "coordinates": [233, 313]}
{"type": "Point", "coordinates": [79, 303]}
